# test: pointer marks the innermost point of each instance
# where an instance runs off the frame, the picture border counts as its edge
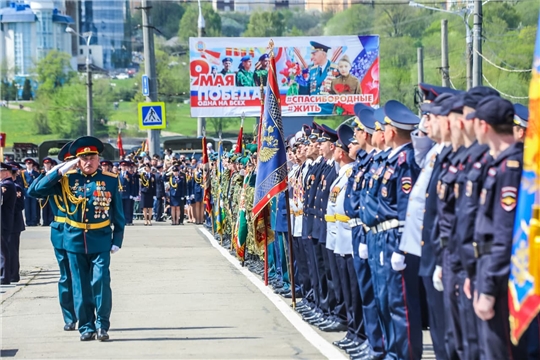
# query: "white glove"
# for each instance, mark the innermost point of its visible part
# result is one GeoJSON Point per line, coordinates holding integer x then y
{"type": "Point", "coordinates": [181, 198]}
{"type": "Point", "coordinates": [55, 168]}
{"type": "Point", "coordinates": [362, 251]}
{"type": "Point", "coordinates": [131, 197]}
{"type": "Point", "coordinates": [381, 258]}
{"type": "Point", "coordinates": [437, 278]}
{"type": "Point", "coordinates": [68, 166]}
{"type": "Point", "coordinates": [398, 262]}
{"type": "Point", "coordinates": [114, 249]}
{"type": "Point", "coordinates": [192, 197]}
{"type": "Point", "coordinates": [154, 197]}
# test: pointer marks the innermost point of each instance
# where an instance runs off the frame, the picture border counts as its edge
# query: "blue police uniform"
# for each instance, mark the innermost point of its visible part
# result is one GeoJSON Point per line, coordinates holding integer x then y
{"type": "Point", "coordinates": [15, 238]}
{"type": "Point", "coordinates": [493, 242]}
{"type": "Point", "coordinates": [93, 204]}
{"type": "Point", "coordinates": [400, 173]}
{"type": "Point", "coordinates": [46, 210]}
{"type": "Point", "coordinates": [282, 231]}
{"type": "Point", "coordinates": [178, 192]}
{"type": "Point", "coordinates": [30, 204]}
{"type": "Point", "coordinates": [494, 232]}
{"type": "Point", "coordinates": [355, 194]}
{"type": "Point", "coordinates": [197, 186]}
{"type": "Point", "coordinates": [8, 203]}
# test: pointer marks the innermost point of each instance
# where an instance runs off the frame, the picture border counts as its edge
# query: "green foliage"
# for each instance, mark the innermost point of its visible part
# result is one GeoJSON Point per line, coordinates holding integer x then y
{"type": "Point", "coordinates": [354, 21]}
{"type": "Point", "coordinates": [188, 23]}
{"type": "Point", "coordinates": [309, 23]}
{"type": "Point", "coordinates": [504, 12]}
{"type": "Point", "coordinates": [54, 151]}
{"type": "Point", "coordinates": [265, 24]}
{"type": "Point", "coordinates": [53, 71]}
{"type": "Point", "coordinates": [8, 91]}
{"type": "Point", "coordinates": [219, 124]}
{"type": "Point", "coordinates": [231, 27]}
{"type": "Point", "coordinates": [27, 90]}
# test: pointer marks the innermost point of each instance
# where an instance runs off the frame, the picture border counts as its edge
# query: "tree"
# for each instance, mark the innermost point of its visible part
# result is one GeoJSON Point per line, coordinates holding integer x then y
{"type": "Point", "coordinates": [188, 23]}
{"type": "Point", "coordinates": [166, 16]}
{"type": "Point", "coordinates": [218, 124]}
{"type": "Point", "coordinates": [53, 71]}
{"type": "Point", "coordinates": [27, 90]}
{"type": "Point", "coordinates": [356, 20]}
{"type": "Point", "coordinates": [265, 24]}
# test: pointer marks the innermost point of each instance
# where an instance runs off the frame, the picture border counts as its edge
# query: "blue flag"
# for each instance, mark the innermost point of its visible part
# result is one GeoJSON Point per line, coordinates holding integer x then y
{"type": "Point", "coordinates": [271, 156]}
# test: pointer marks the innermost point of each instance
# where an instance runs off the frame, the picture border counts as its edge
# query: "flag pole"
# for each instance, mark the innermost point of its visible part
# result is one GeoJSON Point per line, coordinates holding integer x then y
{"type": "Point", "coordinates": [291, 252]}
{"type": "Point", "coordinates": [265, 252]}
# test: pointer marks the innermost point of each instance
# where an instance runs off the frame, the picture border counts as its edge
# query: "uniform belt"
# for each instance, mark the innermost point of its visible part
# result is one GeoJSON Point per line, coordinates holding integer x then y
{"type": "Point", "coordinates": [386, 225]}
{"type": "Point", "coordinates": [84, 226]}
{"type": "Point", "coordinates": [330, 218]}
{"type": "Point", "coordinates": [298, 213]}
{"type": "Point", "coordinates": [342, 218]}
{"type": "Point", "coordinates": [60, 219]}
{"type": "Point", "coordinates": [355, 222]}
{"type": "Point", "coordinates": [481, 248]}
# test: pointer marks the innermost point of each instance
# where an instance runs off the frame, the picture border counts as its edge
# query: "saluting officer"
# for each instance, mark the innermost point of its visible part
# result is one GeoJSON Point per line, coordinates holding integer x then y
{"type": "Point", "coordinates": [58, 208]}
{"type": "Point", "coordinates": [94, 203]}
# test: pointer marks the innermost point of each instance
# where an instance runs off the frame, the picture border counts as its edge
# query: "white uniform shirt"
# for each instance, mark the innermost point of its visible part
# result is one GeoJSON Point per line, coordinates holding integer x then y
{"type": "Point", "coordinates": [412, 232]}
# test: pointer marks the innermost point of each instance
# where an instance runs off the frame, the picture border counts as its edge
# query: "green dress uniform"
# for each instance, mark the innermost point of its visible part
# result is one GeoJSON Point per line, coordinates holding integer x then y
{"type": "Point", "coordinates": [244, 78]}
{"type": "Point", "coordinates": [260, 77]}
{"type": "Point", "coordinates": [93, 204]}
{"type": "Point", "coordinates": [65, 292]}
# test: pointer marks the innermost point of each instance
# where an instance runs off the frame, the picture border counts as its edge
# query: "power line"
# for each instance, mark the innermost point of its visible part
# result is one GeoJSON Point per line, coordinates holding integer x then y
{"type": "Point", "coordinates": [504, 94]}
{"type": "Point", "coordinates": [499, 67]}
{"type": "Point", "coordinates": [338, 3]}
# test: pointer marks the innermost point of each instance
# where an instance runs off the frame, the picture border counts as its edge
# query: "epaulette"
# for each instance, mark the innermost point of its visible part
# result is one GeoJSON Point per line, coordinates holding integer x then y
{"type": "Point", "coordinates": [111, 174]}
{"type": "Point", "coordinates": [402, 157]}
{"type": "Point", "coordinates": [74, 171]}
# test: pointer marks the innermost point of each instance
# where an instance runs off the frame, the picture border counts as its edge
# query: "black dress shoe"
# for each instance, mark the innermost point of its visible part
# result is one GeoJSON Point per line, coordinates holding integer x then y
{"type": "Point", "coordinates": [334, 327]}
{"type": "Point", "coordinates": [342, 342]}
{"type": "Point", "coordinates": [350, 345]}
{"type": "Point", "coordinates": [360, 348]}
{"type": "Point", "coordinates": [287, 295]}
{"type": "Point", "coordinates": [102, 335]}
{"type": "Point", "coordinates": [319, 321]}
{"type": "Point", "coordinates": [326, 322]}
{"type": "Point", "coordinates": [311, 315]}
{"type": "Point", "coordinates": [69, 327]}
{"type": "Point", "coordinates": [316, 320]}
{"type": "Point", "coordinates": [88, 336]}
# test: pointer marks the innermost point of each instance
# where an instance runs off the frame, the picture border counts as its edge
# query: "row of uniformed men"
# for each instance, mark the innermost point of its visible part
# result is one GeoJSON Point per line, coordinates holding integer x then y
{"type": "Point", "coordinates": [399, 204]}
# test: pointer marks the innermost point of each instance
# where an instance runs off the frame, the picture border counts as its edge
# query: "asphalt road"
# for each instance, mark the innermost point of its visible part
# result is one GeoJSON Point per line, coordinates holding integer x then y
{"type": "Point", "coordinates": [175, 295]}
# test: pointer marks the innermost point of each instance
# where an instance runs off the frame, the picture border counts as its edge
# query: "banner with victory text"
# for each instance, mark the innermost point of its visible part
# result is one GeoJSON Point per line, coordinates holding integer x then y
{"type": "Point", "coordinates": [317, 76]}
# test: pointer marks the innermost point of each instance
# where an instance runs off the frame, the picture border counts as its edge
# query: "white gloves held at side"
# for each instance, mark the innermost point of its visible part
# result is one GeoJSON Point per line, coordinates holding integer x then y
{"type": "Point", "coordinates": [398, 262]}
{"type": "Point", "coordinates": [437, 278]}
{"type": "Point", "coordinates": [363, 251]}
{"type": "Point", "coordinates": [114, 249]}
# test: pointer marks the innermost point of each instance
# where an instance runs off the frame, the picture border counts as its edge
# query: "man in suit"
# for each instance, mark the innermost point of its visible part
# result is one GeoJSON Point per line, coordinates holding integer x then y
{"type": "Point", "coordinates": [160, 193]}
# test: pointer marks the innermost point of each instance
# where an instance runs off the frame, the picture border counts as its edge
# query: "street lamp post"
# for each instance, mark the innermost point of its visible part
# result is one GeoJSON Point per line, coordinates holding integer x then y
{"type": "Point", "coordinates": [464, 14]}
{"type": "Point", "coordinates": [87, 36]}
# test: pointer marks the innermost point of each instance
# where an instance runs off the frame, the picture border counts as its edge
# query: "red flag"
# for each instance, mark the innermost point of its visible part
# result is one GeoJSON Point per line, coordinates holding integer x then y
{"type": "Point", "coordinates": [120, 145]}
{"type": "Point", "coordinates": [206, 179]}
{"type": "Point", "coordinates": [239, 141]}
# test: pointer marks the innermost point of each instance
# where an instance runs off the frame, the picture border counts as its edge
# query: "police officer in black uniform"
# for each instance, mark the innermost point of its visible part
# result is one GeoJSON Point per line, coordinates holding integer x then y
{"type": "Point", "coordinates": [9, 200]}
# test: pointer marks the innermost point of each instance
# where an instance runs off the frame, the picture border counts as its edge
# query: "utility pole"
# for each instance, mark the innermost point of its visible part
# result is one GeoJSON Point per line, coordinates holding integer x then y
{"type": "Point", "coordinates": [420, 61]}
{"type": "Point", "coordinates": [468, 50]}
{"type": "Point", "coordinates": [150, 70]}
{"type": "Point", "coordinates": [445, 68]}
{"type": "Point", "coordinates": [89, 101]}
{"type": "Point", "coordinates": [477, 44]}
{"type": "Point", "coordinates": [201, 122]}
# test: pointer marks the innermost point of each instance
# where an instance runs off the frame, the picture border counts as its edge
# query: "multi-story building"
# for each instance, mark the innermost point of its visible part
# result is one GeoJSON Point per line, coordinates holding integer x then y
{"type": "Point", "coordinates": [329, 5]}
{"type": "Point", "coordinates": [260, 5]}
{"type": "Point", "coordinates": [110, 25]}
{"type": "Point", "coordinates": [29, 32]}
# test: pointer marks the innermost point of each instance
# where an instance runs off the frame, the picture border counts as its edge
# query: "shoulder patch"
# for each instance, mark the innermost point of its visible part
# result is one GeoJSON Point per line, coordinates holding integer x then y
{"type": "Point", "coordinates": [453, 169]}
{"type": "Point", "coordinates": [111, 174]}
{"type": "Point", "coordinates": [406, 185]}
{"type": "Point", "coordinates": [508, 198]}
{"type": "Point", "coordinates": [402, 157]}
{"type": "Point", "coordinates": [512, 164]}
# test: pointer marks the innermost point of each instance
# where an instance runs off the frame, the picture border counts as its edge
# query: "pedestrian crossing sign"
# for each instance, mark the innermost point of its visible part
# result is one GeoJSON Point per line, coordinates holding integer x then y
{"type": "Point", "coordinates": [152, 115]}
